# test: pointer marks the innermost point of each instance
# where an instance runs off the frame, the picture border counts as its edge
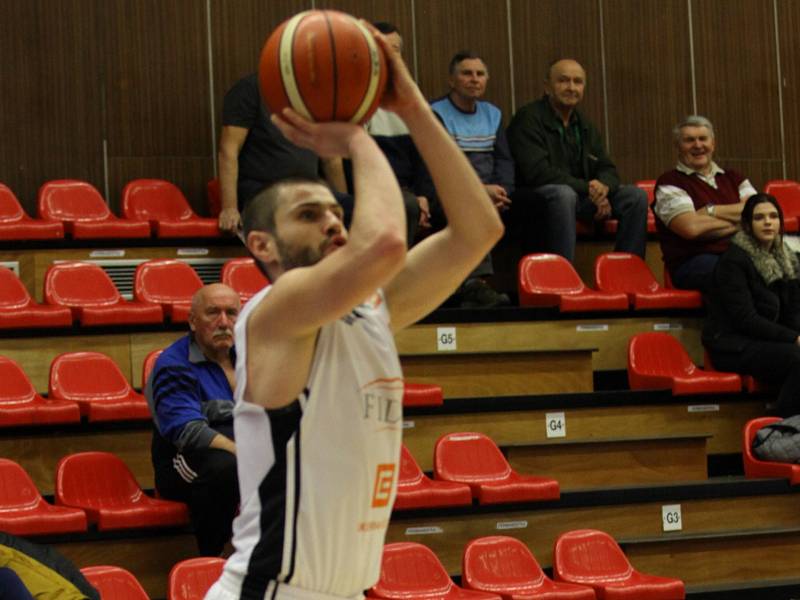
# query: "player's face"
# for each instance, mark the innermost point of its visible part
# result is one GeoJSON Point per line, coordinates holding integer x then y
{"type": "Point", "coordinates": [469, 79]}
{"type": "Point", "coordinates": [696, 148]}
{"type": "Point", "coordinates": [213, 318]}
{"type": "Point", "coordinates": [766, 223]}
{"type": "Point", "coordinates": [308, 226]}
{"type": "Point", "coordinates": [565, 84]}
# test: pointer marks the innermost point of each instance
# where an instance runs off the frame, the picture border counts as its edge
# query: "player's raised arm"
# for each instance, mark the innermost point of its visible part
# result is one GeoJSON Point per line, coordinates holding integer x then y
{"type": "Point", "coordinates": [437, 266]}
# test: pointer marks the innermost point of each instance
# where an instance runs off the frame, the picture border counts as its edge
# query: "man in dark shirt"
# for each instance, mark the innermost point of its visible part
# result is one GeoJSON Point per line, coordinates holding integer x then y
{"type": "Point", "coordinates": [190, 393]}
{"type": "Point", "coordinates": [561, 161]}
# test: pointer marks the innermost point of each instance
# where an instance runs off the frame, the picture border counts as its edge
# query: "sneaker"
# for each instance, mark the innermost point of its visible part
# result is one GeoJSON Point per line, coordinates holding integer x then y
{"type": "Point", "coordinates": [476, 293]}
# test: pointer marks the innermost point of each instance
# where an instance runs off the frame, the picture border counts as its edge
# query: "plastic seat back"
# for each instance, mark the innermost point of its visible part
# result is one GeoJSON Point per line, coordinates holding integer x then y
{"type": "Point", "coordinates": [190, 579]}
{"type": "Point", "coordinates": [213, 195]}
{"type": "Point", "coordinates": [115, 583]}
{"type": "Point", "coordinates": [755, 467]}
{"type": "Point", "coordinates": [85, 376]}
{"type": "Point", "coordinates": [244, 276]}
{"type": "Point", "coordinates": [623, 272]}
{"type": "Point", "coordinates": [97, 479]}
{"type": "Point", "coordinates": [787, 193]}
{"type": "Point", "coordinates": [469, 458]}
{"type": "Point", "coordinates": [499, 564]}
{"type": "Point", "coordinates": [13, 294]}
{"type": "Point", "coordinates": [71, 200]}
{"type": "Point", "coordinates": [410, 570]}
{"type": "Point", "coordinates": [589, 556]}
{"type": "Point", "coordinates": [17, 489]}
{"type": "Point", "coordinates": [155, 200]}
{"type": "Point", "coordinates": [549, 273]}
{"type": "Point", "coordinates": [79, 284]}
{"type": "Point", "coordinates": [149, 363]}
{"type": "Point", "coordinates": [15, 387]}
{"type": "Point", "coordinates": [656, 355]}
{"type": "Point", "coordinates": [166, 281]}
{"type": "Point", "coordinates": [410, 471]}
{"type": "Point", "coordinates": [10, 208]}
{"type": "Point", "coordinates": [649, 187]}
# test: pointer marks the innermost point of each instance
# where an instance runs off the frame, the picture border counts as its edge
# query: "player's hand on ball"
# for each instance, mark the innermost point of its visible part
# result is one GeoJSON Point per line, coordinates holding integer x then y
{"type": "Point", "coordinates": [327, 140]}
{"type": "Point", "coordinates": [401, 93]}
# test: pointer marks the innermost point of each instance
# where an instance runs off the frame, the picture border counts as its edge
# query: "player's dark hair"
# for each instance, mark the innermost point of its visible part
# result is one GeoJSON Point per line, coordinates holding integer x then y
{"type": "Point", "coordinates": [259, 215]}
{"type": "Point", "coordinates": [384, 27]}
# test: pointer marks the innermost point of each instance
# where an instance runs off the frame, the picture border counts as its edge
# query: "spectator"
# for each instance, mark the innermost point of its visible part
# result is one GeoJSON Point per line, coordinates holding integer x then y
{"type": "Point", "coordinates": [566, 171]}
{"type": "Point", "coordinates": [254, 153]}
{"type": "Point", "coordinates": [395, 141]}
{"type": "Point", "coordinates": [753, 324]}
{"type": "Point", "coordinates": [697, 206]}
{"type": "Point", "coordinates": [476, 126]}
{"type": "Point", "coordinates": [190, 393]}
{"type": "Point", "coordinates": [29, 571]}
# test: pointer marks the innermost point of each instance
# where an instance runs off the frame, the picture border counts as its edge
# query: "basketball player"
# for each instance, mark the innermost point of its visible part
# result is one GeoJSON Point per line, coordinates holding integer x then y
{"type": "Point", "coordinates": [319, 387]}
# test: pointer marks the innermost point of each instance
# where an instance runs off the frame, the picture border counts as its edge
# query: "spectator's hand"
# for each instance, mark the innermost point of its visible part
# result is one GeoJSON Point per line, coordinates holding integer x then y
{"type": "Point", "coordinates": [327, 140]}
{"type": "Point", "coordinates": [499, 196]}
{"type": "Point", "coordinates": [229, 220]}
{"type": "Point", "coordinates": [603, 210]}
{"type": "Point", "coordinates": [424, 212]}
{"type": "Point", "coordinates": [402, 94]}
{"type": "Point", "coordinates": [797, 341]}
{"type": "Point", "coordinates": [598, 191]}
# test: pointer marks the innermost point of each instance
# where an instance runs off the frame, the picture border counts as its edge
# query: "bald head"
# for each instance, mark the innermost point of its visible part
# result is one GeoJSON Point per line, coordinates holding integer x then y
{"type": "Point", "coordinates": [215, 308]}
{"type": "Point", "coordinates": [564, 85]}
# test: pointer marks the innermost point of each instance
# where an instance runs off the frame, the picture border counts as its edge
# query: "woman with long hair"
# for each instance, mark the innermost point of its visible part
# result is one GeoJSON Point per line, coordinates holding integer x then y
{"type": "Point", "coordinates": [753, 324]}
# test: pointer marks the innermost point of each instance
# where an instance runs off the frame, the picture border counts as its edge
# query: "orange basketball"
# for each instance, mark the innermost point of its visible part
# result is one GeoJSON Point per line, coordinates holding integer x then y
{"type": "Point", "coordinates": [326, 65]}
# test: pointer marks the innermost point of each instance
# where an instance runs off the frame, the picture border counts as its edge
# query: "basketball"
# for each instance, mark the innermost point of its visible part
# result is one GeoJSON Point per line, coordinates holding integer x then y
{"type": "Point", "coordinates": [324, 64]}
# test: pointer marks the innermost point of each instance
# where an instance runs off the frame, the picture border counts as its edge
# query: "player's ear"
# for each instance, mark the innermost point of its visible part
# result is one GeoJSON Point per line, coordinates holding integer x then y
{"type": "Point", "coordinates": [262, 246]}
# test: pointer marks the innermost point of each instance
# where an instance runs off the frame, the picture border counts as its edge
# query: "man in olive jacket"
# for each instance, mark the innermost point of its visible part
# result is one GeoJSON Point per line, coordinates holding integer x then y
{"type": "Point", "coordinates": [563, 168]}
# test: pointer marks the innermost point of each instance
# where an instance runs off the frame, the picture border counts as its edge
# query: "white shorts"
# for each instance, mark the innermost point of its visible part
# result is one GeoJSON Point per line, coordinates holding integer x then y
{"type": "Point", "coordinates": [228, 587]}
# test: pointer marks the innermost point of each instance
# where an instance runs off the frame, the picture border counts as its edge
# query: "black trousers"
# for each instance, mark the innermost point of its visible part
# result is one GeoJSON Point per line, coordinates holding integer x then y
{"type": "Point", "coordinates": [772, 362]}
{"type": "Point", "coordinates": [207, 481]}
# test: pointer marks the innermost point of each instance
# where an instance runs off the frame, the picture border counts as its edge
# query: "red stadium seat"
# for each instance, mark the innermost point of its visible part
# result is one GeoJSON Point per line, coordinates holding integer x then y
{"type": "Point", "coordinates": [23, 511]}
{"type": "Point", "coordinates": [103, 486]}
{"type": "Point", "coordinates": [190, 579]}
{"type": "Point", "coordinates": [503, 565]}
{"type": "Point", "coordinates": [213, 196]}
{"type": "Point", "coordinates": [422, 394]}
{"type": "Point", "coordinates": [787, 193]}
{"type": "Point", "coordinates": [88, 291]}
{"type": "Point", "coordinates": [244, 276]}
{"type": "Point", "coordinates": [657, 361]}
{"type": "Point", "coordinates": [21, 405]}
{"type": "Point", "coordinates": [148, 364]}
{"type": "Point", "coordinates": [550, 280]}
{"type": "Point", "coordinates": [630, 275]}
{"type": "Point", "coordinates": [417, 490]}
{"type": "Point", "coordinates": [114, 583]}
{"type": "Point", "coordinates": [170, 283]}
{"type": "Point", "coordinates": [19, 310]}
{"type": "Point", "coordinates": [165, 207]}
{"type": "Point", "coordinates": [754, 467]}
{"type": "Point", "coordinates": [15, 224]}
{"type": "Point", "coordinates": [84, 212]}
{"type": "Point", "coordinates": [593, 558]}
{"type": "Point", "coordinates": [749, 383]}
{"type": "Point", "coordinates": [95, 382]}
{"type": "Point", "coordinates": [412, 571]}
{"type": "Point", "coordinates": [474, 459]}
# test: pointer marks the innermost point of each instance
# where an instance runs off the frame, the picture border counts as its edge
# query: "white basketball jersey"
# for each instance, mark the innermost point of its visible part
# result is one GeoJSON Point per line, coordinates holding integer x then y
{"type": "Point", "coordinates": [318, 478]}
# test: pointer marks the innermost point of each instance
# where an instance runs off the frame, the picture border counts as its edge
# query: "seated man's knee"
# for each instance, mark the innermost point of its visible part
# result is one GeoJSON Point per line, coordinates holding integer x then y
{"type": "Point", "coordinates": [630, 199]}
{"type": "Point", "coordinates": [557, 194]}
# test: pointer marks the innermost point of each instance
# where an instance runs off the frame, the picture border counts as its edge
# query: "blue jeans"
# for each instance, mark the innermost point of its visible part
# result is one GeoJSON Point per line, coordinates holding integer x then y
{"type": "Point", "coordinates": [11, 586]}
{"type": "Point", "coordinates": [695, 272]}
{"type": "Point", "coordinates": [561, 206]}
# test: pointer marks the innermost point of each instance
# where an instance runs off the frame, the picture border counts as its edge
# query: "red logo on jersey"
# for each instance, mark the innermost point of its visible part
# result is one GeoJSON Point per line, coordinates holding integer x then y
{"type": "Point", "coordinates": [384, 477]}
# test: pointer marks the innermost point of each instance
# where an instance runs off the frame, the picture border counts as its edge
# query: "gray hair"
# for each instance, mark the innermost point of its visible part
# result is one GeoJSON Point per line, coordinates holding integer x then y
{"type": "Point", "coordinates": [692, 121]}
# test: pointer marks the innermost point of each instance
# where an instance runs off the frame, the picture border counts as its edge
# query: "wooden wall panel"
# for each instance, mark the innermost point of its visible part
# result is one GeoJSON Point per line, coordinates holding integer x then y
{"type": "Point", "coordinates": [444, 28]}
{"type": "Point", "coordinates": [737, 86]}
{"type": "Point", "coordinates": [645, 103]}
{"type": "Point", "coordinates": [157, 89]}
{"type": "Point", "coordinates": [50, 100]}
{"type": "Point", "coordinates": [789, 36]}
{"type": "Point", "coordinates": [546, 30]}
{"type": "Point", "coordinates": [238, 32]}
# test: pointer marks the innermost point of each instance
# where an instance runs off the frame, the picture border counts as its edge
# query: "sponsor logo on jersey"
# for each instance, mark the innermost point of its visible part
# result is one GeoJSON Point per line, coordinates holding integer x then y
{"type": "Point", "coordinates": [384, 479]}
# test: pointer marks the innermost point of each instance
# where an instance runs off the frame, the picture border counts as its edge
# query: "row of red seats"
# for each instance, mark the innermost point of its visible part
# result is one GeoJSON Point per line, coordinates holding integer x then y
{"type": "Point", "coordinates": [587, 564]}
{"type": "Point", "coordinates": [150, 207]}
{"type": "Point", "coordinates": [623, 280]}
{"type": "Point", "coordinates": [91, 488]}
{"type": "Point", "coordinates": [189, 579]}
{"type": "Point", "coordinates": [83, 292]}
